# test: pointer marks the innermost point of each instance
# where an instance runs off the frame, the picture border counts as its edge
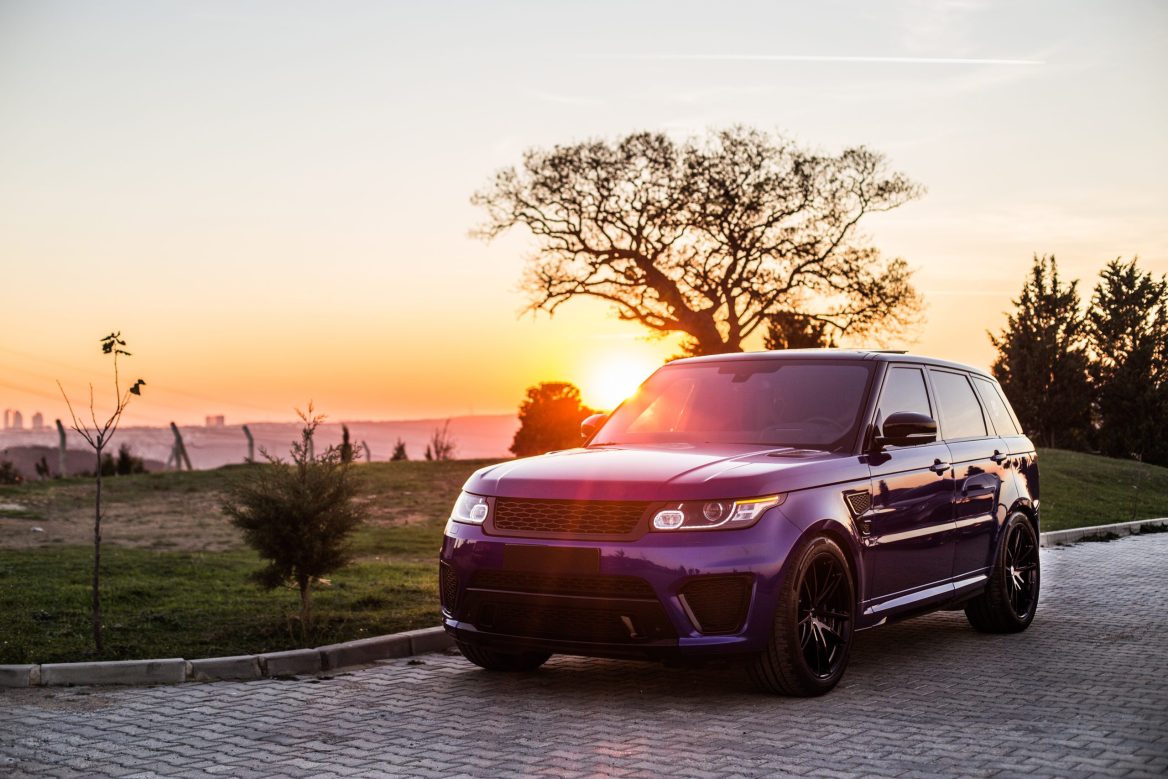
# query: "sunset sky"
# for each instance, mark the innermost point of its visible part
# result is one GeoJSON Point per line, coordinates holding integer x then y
{"type": "Point", "coordinates": [270, 199]}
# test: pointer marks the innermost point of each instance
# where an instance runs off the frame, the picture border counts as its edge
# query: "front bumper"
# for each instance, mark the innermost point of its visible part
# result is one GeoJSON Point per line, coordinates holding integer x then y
{"type": "Point", "coordinates": [684, 594]}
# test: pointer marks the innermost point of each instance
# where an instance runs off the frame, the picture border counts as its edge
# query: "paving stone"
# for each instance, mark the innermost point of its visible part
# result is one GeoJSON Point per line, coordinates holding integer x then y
{"type": "Point", "coordinates": [1084, 692]}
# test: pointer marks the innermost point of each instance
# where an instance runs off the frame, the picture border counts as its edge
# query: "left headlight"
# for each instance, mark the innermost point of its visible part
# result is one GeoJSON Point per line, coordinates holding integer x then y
{"type": "Point", "coordinates": [471, 509]}
{"type": "Point", "coordinates": [713, 514]}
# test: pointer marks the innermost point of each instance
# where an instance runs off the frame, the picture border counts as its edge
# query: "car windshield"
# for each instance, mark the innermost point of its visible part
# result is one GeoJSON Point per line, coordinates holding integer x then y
{"type": "Point", "coordinates": [775, 402]}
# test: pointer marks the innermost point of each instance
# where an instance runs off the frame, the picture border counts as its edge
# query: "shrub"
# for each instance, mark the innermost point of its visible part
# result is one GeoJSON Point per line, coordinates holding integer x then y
{"type": "Point", "coordinates": [297, 515]}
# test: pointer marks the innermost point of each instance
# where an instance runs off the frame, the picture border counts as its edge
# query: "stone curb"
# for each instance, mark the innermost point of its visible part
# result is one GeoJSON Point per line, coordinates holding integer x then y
{"type": "Point", "coordinates": [299, 662]}
{"type": "Point", "coordinates": [294, 662]}
{"type": "Point", "coordinates": [1061, 537]}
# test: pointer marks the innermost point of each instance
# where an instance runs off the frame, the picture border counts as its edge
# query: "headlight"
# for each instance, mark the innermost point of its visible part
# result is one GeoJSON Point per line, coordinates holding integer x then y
{"type": "Point", "coordinates": [471, 509]}
{"type": "Point", "coordinates": [711, 514]}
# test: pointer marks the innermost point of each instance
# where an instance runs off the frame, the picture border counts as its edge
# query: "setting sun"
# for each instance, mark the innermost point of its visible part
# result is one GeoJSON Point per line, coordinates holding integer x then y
{"type": "Point", "coordinates": [609, 381]}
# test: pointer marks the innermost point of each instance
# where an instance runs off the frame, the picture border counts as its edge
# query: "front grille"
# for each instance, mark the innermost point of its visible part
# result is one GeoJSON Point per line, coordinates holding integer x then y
{"type": "Point", "coordinates": [448, 587]}
{"type": "Point", "coordinates": [551, 584]}
{"type": "Point", "coordinates": [646, 622]}
{"type": "Point", "coordinates": [616, 518]}
{"type": "Point", "coordinates": [717, 604]}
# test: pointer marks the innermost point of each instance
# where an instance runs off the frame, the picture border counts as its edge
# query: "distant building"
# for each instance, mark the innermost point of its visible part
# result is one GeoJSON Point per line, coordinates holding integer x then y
{"type": "Point", "coordinates": [7, 418]}
{"type": "Point", "coordinates": [17, 421]}
{"type": "Point", "coordinates": [38, 421]}
{"type": "Point", "coordinates": [216, 420]}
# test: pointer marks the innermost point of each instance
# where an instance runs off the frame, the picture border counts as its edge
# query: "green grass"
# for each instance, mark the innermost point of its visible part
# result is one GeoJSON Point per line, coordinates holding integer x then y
{"type": "Point", "coordinates": [1080, 490]}
{"type": "Point", "coordinates": [191, 603]}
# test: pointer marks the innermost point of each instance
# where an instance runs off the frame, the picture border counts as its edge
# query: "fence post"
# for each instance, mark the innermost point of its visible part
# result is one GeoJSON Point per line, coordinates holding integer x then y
{"type": "Point", "coordinates": [180, 451]}
{"type": "Point", "coordinates": [368, 454]}
{"type": "Point", "coordinates": [61, 459]}
{"type": "Point", "coordinates": [250, 445]}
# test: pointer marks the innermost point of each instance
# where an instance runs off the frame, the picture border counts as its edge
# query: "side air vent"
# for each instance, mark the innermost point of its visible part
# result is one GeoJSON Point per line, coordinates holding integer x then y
{"type": "Point", "coordinates": [858, 501]}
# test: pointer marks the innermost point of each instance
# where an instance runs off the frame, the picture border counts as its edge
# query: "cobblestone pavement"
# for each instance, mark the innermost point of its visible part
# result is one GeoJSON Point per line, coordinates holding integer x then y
{"type": "Point", "coordinates": [1084, 692]}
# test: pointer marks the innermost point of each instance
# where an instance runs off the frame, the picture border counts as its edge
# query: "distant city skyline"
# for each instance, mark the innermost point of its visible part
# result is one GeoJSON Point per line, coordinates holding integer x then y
{"type": "Point", "coordinates": [271, 200]}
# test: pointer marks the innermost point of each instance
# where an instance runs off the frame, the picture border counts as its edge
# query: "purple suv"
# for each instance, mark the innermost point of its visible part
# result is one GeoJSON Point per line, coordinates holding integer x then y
{"type": "Point", "coordinates": [762, 505]}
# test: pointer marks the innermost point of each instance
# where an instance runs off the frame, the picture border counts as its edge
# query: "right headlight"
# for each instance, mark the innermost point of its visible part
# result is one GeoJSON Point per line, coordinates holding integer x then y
{"type": "Point", "coordinates": [471, 509]}
{"type": "Point", "coordinates": [714, 514]}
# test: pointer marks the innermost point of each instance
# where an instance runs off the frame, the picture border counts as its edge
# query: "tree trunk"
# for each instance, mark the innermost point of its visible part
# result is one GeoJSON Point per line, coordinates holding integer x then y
{"type": "Point", "coordinates": [97, 559]}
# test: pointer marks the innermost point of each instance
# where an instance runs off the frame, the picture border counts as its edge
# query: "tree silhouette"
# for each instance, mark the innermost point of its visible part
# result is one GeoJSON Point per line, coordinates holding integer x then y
{"type": "Point", "coordinates": [1127, 327]}
{"type": "Point", "coordinates": [1042, 359]}
{"type": "Point", "coordinates": [710, 237]}
{"type": "Point", "coordinates": [549, 419]}
{"type": "Point", "coordinates": [786, 330]}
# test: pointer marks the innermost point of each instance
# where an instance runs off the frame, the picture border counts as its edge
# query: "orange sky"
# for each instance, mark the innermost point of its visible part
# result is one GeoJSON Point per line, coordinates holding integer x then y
{"type": "Point", "coordinates": [270, 200]}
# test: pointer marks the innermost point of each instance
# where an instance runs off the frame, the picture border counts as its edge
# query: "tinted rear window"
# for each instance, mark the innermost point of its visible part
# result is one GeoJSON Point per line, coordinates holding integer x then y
{"type": "Point", "coordinates": [995, 406]}
{"type": "Point", "coordinates": [961, 415]}
{"type": "Point", "coordinates": [811, 404]}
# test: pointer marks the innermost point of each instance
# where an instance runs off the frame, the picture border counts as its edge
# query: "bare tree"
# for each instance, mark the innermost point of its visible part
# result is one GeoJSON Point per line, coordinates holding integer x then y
{"type": "Point", "coordinates": [98, 437]}
{"type": "Point", "coordinates": [709, 237]}
{"type": "Point", "coordinates": [441, 445]}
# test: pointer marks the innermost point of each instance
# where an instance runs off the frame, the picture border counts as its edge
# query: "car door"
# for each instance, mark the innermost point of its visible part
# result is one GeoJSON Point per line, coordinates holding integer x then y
{"type": "Point", "coordinates": [908, 533]}
{"type": "Point", "coordinates": [979, 460]}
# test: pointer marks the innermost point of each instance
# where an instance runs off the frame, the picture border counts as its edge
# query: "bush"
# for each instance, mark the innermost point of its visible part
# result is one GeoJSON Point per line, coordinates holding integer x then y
{"type": "Point", "coordinates": [9, 474]}
{"type": "Point", "coordinates": [297, 515]}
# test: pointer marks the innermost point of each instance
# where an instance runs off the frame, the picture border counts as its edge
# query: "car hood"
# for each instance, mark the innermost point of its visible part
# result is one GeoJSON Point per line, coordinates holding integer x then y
{"type": "Point", "coordinates": [665, 472]}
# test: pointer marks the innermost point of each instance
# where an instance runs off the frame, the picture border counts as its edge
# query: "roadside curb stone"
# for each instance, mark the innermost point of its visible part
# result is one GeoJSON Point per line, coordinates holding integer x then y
{"type": "Point", "coordinates": [20, 675]}
{"type": "Point", "coordinates": [168, 671]}
{"type": "Point", "coordinates": [365, 650]}
{"type": "Point", "coordinates": [293, 662]}
{"type": "Point", "coordinates": [212, 669]}
{"type": "Point", "coordinates": [1119, 529]}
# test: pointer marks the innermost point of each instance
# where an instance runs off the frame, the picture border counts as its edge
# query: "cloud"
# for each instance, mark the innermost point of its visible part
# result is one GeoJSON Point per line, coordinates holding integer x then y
{"type": "Point", "coordinates": [831, 58]}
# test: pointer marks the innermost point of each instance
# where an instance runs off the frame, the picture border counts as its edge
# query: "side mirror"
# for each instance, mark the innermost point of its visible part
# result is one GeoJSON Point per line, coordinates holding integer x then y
{"type": "Point", "coordinates": [907, 428]}
{"type": "Point", "coordinates": [591, 424]}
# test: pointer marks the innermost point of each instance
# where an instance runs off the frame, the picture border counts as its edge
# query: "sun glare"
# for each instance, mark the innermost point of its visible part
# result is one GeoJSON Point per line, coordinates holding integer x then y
{"type": "Point", "coordinates": [610, 381]}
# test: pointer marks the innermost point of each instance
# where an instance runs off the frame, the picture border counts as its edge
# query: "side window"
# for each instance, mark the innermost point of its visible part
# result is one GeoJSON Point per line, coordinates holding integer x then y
{"type": "Point", "coordinates": [961, 415]}
{"type": "Point", "coordinates": [904, 390]}
{"type": "Point", "coordinates": [995, 407]}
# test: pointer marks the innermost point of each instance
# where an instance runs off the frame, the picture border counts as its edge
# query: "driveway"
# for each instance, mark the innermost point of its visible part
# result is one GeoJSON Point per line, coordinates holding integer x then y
{"type": "Point", "coordinates": [1084, 692]}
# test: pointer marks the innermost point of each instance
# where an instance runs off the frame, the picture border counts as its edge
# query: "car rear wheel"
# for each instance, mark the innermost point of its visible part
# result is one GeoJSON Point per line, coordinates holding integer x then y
{"type": "Point", "coordinates": [1011, 596]}
{"type": "Point", "coordinates": [494, 660]}
{"type": "Point", "coordinates": [811, 636]}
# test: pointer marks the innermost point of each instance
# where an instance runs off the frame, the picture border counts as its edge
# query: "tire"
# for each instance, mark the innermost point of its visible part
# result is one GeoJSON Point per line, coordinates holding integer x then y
{"type": "Point", "coordinates": [493, 660]}
{"type": "Point", "coordinates": [811, 636]}
{"type": "Point", "coordinates": [1011, 596]}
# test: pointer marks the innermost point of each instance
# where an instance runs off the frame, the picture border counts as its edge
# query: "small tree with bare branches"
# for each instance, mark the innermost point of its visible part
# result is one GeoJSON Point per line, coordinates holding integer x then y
{"type": "Point", "coordinates": [98, 437]}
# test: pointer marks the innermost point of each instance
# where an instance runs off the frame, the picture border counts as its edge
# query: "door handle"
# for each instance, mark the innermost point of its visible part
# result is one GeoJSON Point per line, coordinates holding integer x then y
{"type": "Point", "coordinates": [939, 467]}
{"type": "Point", "coordinates": [998, 457]}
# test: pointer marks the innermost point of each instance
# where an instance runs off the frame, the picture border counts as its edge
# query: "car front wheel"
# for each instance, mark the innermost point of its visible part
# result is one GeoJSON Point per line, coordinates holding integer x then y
{"type": "Point", "coordinates": [811, 636]}
{"type": "Point", "coordinates": [1011, 596]}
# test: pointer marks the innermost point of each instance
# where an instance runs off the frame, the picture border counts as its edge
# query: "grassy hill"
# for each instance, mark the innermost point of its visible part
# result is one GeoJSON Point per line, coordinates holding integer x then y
{"type": "Point", "coordinates": [176, 572]}
{"type": "Point", "coordinates": [1080, 489]}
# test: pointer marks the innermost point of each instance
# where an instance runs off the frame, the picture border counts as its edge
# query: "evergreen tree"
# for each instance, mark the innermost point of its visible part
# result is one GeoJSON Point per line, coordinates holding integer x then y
{"type": "Point", "coordinates": [1042, 360]}
{"type": "Point", "coordinates": [1127, 327]}
{"type": "Point", "coordinates": [549, 419]}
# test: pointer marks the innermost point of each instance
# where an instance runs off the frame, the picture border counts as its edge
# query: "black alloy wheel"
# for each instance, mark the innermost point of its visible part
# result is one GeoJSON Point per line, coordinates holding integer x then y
{"type": "Point", "coordinates": [1011, 595]}
{"type": "Point", "coordinates": [825, 615]}
{"type": "Point", "coordinates": [812, 632]}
